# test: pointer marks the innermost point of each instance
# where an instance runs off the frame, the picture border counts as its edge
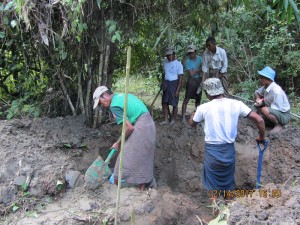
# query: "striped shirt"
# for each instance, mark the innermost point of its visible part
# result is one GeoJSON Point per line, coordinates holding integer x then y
{"type": "Point", "coordinates": [221, 119]}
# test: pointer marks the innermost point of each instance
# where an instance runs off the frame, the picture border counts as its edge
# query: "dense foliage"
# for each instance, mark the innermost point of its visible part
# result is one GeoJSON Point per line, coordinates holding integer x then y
{"type": "Point", "coordinates": [55, 53]}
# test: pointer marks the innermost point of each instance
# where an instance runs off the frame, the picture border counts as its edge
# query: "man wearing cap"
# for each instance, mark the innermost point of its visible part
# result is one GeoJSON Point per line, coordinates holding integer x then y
{"type": "Point", "coordinates": [140, 136]}
{"type": "Point", "coordinates": [171, 84]}
{"type": "Point", "coordinates": [271, 100]}
{"type": "Point", "coordinates": [220, 116]}
{"type": "Point", "coordinates": [192, 66]}
{"type": "Point", "coordinates": [215, 63]}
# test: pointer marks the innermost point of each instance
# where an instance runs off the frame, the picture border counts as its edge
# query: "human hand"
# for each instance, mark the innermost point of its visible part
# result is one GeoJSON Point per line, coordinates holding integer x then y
{"type": "Point", "coordinates": [262, 144]}
{"type": "Point", "coordinates": [116, 145]}
{"type": "Point", "coordinates": [259, 102]}
{"type": "Point", "coordinates": [176, 93]}
{"type": "Point", "coordinates": [192, 115]}
{"type": "Point", "coordinates": [260, 140]}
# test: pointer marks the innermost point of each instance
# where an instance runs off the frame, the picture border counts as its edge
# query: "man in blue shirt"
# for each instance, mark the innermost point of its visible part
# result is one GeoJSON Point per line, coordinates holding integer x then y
{"type": "Point", "coordinates": [193, 68]}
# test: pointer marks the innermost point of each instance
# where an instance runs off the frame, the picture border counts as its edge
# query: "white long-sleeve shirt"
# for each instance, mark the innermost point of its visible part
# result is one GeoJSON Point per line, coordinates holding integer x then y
{"type": "Point", "coordinates": [217, 61]}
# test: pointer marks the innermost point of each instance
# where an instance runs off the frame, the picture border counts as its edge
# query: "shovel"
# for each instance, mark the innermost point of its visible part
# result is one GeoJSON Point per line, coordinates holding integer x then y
{"type": "Point", "coordinates": [98, 172]}
{"type": "Point", "coordinates": [260, 159]}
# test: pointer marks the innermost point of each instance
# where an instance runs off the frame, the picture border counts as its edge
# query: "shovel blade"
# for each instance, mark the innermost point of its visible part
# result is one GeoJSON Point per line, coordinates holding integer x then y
{"type": "Point", "coordinates": [97, 174]}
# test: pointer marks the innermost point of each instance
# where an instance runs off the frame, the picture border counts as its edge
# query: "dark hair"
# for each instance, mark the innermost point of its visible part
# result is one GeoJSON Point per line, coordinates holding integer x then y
{"type": "Point", "coordinates": [211, 40]}
{"type": "Point", "coordinates": [109, 92]}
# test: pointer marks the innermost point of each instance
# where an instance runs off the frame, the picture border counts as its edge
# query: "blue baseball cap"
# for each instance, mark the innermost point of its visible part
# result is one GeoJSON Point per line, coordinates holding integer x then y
{"type": "Point", "coordinates": [267, 72]}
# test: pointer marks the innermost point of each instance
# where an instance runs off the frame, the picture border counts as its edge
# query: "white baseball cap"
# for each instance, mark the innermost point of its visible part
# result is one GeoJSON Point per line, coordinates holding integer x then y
{"type": "Point", "coordinates": [97, 93]}
{"type": "Point", "coordinates": [191, 48]}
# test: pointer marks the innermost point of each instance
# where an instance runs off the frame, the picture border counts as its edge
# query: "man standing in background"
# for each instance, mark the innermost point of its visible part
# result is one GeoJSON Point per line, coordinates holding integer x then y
{"type": "Point", "coordinates": [171, 85]}
{"type": "Point", "coordinates": [215, 63]}
{"type": "Point", "coordinates": [193, 68]}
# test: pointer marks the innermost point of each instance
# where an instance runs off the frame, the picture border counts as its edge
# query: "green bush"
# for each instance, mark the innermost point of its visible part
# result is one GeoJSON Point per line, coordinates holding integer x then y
{"type": "Point", "coordinates": [21, 107]}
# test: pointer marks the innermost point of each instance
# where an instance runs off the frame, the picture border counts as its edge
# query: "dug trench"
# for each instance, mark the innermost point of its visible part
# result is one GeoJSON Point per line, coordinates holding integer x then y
{"type": "Point", "coordinates": [51, 155]}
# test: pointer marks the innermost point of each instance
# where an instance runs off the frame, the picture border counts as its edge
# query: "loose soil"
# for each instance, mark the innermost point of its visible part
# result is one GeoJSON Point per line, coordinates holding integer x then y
{"type": "Point", "coordinates": [51, 155]}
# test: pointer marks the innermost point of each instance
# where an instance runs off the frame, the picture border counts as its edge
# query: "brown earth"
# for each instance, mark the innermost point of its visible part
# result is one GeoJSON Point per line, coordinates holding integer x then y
{"type": "Point", "coordinates": [44, 151]}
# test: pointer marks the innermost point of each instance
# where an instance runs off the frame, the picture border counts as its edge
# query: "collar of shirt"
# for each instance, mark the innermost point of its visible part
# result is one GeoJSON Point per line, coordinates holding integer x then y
{"type": "Point", "coordinates": [217, 51]}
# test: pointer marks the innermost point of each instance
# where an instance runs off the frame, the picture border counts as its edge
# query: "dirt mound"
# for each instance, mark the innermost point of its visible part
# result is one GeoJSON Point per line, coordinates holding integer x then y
{"type": "Point", "coordinates": [43, 162]}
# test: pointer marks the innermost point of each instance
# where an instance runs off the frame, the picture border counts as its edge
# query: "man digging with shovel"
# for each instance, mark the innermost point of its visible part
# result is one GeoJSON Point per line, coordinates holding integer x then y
{"type": "Point", "coordinates": [220, 117]}
{"type": "Point", "coordinates": [140, 136]}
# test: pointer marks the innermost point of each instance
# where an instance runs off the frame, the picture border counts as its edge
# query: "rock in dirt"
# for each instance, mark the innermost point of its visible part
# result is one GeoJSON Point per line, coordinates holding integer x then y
{"type": "Point", "coordinates": [74, 178]}
{"type": "Point", "coordinates": [7, 194]}
{"type": "Point", "coordinates": [85, 205]}
{"type": "Point", "coordinates": [263, 216]}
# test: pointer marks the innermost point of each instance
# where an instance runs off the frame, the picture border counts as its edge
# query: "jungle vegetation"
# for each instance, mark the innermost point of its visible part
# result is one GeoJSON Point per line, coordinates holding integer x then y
{"type": "Point", "coordinates": [54, 53]}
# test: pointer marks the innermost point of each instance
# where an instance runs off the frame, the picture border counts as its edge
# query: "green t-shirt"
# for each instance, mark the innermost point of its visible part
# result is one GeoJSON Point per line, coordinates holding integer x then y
{"type": "Point", "coordinates": [135, 107]}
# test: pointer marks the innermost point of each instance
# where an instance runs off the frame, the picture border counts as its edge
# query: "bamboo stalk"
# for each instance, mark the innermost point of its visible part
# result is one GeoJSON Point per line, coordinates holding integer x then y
{"type": "Point", "coordinates": [123, 133]}
{"type": "Point", "coordinates": [79, 84]}
{"type": "Point", "coordinates": [64, 89]}
{"type": "Point", "coordinates": [95, 118]}
{"type": "Point", "coordinates": [101, 63]}
{"type": "Point", "coordinates": [99, 78]}
{"type": "Point", "coordinates": [89, 86]}
{"type": "Point", "coordinates": [106, 60]}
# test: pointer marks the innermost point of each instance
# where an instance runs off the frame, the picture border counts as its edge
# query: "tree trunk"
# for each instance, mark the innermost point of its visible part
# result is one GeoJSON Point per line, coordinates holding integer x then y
{"type": "Point", "coordinates": [101, 48]}
{"type": "Point", "coordinates": [89, 86]}
{"type": "Point", "coordinates": [111, 67]}
{"type": "Point", "coordinates": [106, 60]}
{"type": "Point", "coordinates": [79, 76]}
{"type": "Point", "coordinates": [64, 89]}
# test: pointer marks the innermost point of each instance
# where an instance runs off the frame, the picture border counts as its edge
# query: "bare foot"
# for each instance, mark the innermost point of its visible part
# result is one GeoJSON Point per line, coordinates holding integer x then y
{"type": "Point", "coordinates": [276, 129]}
{"type": "Point", "coordinates": [142, 187]}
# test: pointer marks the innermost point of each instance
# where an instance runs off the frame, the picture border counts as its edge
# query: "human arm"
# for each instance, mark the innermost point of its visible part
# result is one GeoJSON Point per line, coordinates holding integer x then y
{"type": "Point", "coordinates": [258, 95]}
{"type": "Point", "coordinates": [191, 122]}
{"type": "Point", "coordinates": [224, 62]}
{"type": "Point", "coordinates": [197, 117]}
{"type": "Point", "coordinates": [204, 77]}
{"type": "Point", "coordinates": [128, 131]}
{"type": "Point", "coordinates": [260, 123]}
{"type": "Point", "coordinates": [189, 68]}
{"type": "Point", "coordinates": [204, 67]}
{"type": "Point", "coordinates": [178, 85]}
{"type": "Point", "coordinates": [192, 72]}
{"type": "Point", "coordinates": [180, 75]}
